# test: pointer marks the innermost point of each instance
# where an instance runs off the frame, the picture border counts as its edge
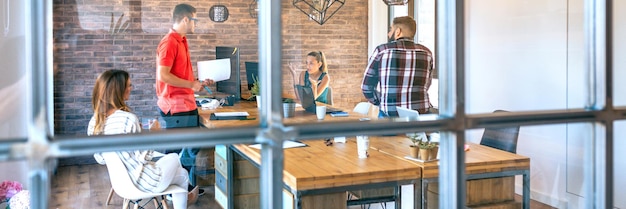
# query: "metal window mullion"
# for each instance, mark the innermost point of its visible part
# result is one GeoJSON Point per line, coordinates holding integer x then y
{"type": "Point", "coordinates": [179, 138]}
{"type": "Point", "coordinates": [598, 175]}
{"type": "Point", "coordinates": [450, 64]}
{"type": "Point", "coordinates": [38, 41]}
{"type": "Point", "coordinates": [272, 133]}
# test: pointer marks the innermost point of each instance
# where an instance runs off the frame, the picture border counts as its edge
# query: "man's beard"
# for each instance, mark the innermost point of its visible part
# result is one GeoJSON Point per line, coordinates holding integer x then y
{"type": "Point", "coordinates": [391, 39]}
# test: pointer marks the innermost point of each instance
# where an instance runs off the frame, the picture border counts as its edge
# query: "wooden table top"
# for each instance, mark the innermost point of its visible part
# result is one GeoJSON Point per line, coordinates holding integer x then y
{"type": "Point", "coordinates": [318, 166]}
{"type": "Point", "coordinates": [300, 116]}
{"type": "Point", "coordinates": [479, 158]}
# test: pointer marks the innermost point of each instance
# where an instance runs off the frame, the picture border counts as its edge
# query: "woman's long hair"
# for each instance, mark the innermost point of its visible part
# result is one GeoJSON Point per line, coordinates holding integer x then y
{"type": "Point", "coordinates": [319, 56]}
{"type": "Point", "coordinates": [108, 94]}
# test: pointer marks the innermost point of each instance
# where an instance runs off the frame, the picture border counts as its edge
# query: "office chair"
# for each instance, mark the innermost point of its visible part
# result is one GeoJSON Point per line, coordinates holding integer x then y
{"type": "Point", "coordinates": [124, 187]}
{"type": "Point", "coordinates": [329, 96]}
{"type": "Point", "coordinates": [362, 108]}
{"type": "Point", "coordinates": [501, 138]}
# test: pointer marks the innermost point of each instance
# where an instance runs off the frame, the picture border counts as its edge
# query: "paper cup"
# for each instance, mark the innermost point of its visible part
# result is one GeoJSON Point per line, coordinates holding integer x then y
{"type": "Point", "coordinates": [362, 143]}
{"type": "Point", "coordinates": [320, 111]}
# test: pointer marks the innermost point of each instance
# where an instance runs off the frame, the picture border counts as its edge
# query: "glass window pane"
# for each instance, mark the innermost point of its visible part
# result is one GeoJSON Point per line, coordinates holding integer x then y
{"type": "Point", "coordinates": [555, 152]}
{"type": "Point", "coordinates": [619, 184]}
{"type": "Point", "coordinates": [619, 47]}
{"type": "Point", "coordinates": [15, 81]}
{"type": "Point", "coordinates": [510, 68]}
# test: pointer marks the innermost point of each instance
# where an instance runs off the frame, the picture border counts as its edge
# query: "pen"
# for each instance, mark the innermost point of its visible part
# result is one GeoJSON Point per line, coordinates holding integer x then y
{"type": "Point", "coordinates": [208, 90]}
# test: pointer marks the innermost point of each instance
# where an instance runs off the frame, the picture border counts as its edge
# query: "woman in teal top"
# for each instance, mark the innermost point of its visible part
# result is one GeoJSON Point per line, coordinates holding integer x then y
{"type": "Point", "coordinates": [316, 75]}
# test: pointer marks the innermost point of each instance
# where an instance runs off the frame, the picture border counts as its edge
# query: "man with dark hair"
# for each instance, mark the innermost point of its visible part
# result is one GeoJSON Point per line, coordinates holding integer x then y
{"type": "Point", "coordinates": [402, 69]}
{"type": "Point", "coordinates": [175, 81]}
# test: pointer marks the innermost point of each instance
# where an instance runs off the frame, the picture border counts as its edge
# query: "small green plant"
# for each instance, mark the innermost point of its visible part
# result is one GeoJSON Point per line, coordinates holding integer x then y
{"type": "Point", "coordinates": [424, 145]}
{"type": "Point", "coordinates": [256, 87]}
{"type": "Point", "coordinates": [416, 139]}
{"type": "Point", "coordinates": [288, 100]}
{"type": "Point", "coordinates": [432, 145]}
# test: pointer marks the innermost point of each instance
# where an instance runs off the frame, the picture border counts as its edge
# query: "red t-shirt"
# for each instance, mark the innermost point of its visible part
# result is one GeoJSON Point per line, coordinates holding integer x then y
{"type": "Point", "coordinates": [173, 52]}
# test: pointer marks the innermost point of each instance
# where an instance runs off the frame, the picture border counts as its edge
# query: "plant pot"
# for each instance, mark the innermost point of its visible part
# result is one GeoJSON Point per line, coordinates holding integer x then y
{"type": "Point", "coordinates": [289, 110]}
{"type": "Point", "coordinates": [415, 151]}
{"type": "Point", "coordinates": [424, 154]}
{"type": "Point", "coordinates": [258, 101]}
{"type": "Point", "coordinates": [433, 153]}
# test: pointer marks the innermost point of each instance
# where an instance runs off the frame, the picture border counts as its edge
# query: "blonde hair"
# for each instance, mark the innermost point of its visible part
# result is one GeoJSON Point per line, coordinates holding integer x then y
{"type": "Point", "coordinates": [407, 24]}
{"type": "Point", "coordinates": [319, 56]}
{"type": "Point", "coordinates": [108, 94]}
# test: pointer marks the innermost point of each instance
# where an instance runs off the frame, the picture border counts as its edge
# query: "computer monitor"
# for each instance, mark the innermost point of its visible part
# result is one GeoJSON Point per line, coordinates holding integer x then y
{"type": "Point", "coordinates": [252, 71]}
{"type": "Point", "coordinates": [410, 114]}
{"type": "Point", "coordinates": [231, 86]}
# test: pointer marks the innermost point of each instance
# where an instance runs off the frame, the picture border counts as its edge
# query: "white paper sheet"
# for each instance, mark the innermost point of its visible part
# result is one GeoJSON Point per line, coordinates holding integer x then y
{"type": "Point", "coordinates": [231, 114]}
{"type": "Point", "coordinates": [216, 70]}
{"type": "Point", "coordinates": [286, 144]}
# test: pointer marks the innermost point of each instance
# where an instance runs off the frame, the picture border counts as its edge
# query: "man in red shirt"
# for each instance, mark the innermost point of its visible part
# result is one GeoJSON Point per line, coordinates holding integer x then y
{"type": "Point", "coordinates": [175, 81]}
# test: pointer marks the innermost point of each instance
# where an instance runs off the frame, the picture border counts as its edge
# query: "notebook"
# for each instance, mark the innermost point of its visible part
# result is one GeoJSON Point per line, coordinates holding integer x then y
{"type": "Point", "coordinates": [305, 94]}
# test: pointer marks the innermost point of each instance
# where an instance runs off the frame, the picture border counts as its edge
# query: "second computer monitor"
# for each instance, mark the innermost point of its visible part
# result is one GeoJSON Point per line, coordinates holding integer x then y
{"type": "Point", "coordinates": [252, 72]}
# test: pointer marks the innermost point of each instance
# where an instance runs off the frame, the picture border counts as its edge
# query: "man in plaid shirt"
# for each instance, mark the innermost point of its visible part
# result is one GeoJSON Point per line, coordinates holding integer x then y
{"type": "Point", "coordinates": [402, 69]}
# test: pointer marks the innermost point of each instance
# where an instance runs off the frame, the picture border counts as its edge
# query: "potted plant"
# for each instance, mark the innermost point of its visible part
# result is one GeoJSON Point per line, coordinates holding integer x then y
{"type": "Point", "coordinates": [424, 150]}
{"type": "Point", "coordinates": [289, 108]}
{"type": "Point", "coordinates": [414, 148]}
{"type": "Point", "coordinates": [434, 148]}
{"type": "Point", "coordinates": [255, 91]}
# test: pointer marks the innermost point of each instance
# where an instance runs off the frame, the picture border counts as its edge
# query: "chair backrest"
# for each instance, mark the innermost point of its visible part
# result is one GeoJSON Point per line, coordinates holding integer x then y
{"type": "Point", "coordinates": [362, 108]}
{"type": "Point", "coordinates": [120, 180]}
{"type": "Point", "coordinates": [329, 95]}
{"type": "Point", "coordinates": [501, 138]}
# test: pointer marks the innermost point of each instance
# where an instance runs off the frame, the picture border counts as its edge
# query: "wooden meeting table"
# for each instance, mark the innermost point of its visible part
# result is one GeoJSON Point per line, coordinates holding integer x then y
{"type": "Point", "coordinates": [315, 176]}
{"type": "Point", "coordinates": [483, 166]}
{"type": "Point", "coordinates": [317, 171]}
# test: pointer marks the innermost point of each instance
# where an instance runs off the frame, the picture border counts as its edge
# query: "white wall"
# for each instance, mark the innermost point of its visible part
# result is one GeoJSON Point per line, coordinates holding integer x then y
{"type": "Point", "coordinates": [14, 84]}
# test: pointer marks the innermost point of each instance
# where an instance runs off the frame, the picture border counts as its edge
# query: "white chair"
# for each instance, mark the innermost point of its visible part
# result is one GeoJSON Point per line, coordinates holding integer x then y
{"type": "Point", "coordinates": [124, 187]}
{"type": "Point", "coordinates": [362, 107]}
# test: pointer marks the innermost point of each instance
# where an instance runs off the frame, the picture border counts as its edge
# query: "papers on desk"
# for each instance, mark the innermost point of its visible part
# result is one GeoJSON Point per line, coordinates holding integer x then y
{"type": "Point", "coordinates": [286, 145]}
{"type": "Point", "coordinates": [229, 116]}
{"type": "Point", "coordinates": [232, 114]}
{"type": "Point", "coordinates": [216, 70]}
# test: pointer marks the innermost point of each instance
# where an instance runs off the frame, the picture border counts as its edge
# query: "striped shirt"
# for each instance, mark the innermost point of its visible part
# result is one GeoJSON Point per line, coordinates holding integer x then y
{"type": "Point", "coordinates": [143, 172]}
{"type": "Point", "coordinates": [402, 70]}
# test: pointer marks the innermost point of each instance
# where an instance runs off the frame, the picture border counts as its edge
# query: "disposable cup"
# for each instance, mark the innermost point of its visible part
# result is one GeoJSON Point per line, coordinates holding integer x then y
{"type": "Point", "coordinates": [362, 143]}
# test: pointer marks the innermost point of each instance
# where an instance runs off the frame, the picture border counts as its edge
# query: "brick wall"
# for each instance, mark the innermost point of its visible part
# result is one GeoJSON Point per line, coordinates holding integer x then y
{"type": "Point", "coordinates": [85, 45]}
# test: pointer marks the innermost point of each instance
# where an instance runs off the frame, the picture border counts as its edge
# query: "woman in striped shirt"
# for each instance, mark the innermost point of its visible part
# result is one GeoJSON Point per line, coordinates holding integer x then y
{"type": "Point", "coordinates": [113, 116]}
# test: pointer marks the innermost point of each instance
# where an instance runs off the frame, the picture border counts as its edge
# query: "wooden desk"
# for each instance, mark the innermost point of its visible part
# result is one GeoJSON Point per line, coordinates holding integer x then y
{"type": "Point", "coordinates": [309, 171]}
{"type": "Point", "coordinates": [311, 178]}
{"type": "Point", "coordinates": [482, 162]}
{"type": "Point", "coordinates": [319, 169]}
{"type": "Point", "coordinates": [300, 117]}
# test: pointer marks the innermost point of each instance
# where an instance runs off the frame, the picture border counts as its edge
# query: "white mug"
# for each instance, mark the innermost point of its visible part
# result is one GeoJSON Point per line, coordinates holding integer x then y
{"type": "Point", "coordinates": [362, 144]}
{"type": "Point", "coordinates": [320, 111]}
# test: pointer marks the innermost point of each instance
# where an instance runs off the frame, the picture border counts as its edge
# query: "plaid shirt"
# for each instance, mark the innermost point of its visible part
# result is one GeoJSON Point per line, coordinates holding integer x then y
{"type": "Point", "coordinates": [403, 69]}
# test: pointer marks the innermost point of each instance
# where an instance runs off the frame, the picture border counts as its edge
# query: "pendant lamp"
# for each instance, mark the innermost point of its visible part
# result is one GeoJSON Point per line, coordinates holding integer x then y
{"type": "Point", "coordinates": [396, 2]}
{"type": "Point", "coordinates": [319, 11]}
{"type": "Point", "coordinates": [253, 8]}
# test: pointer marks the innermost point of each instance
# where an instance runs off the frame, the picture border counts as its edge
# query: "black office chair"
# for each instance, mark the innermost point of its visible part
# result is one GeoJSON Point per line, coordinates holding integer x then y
{"type": "Point", "coordinates": [501, 138]}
